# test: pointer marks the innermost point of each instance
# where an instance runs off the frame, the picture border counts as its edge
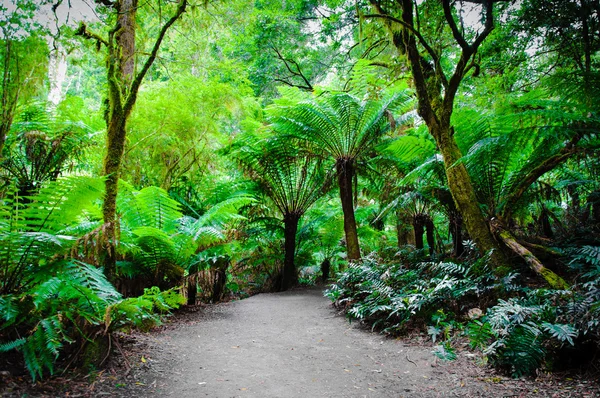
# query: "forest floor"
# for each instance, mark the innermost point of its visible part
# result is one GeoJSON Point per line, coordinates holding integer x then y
{"type": "Point", "coordinates": [291, 344]}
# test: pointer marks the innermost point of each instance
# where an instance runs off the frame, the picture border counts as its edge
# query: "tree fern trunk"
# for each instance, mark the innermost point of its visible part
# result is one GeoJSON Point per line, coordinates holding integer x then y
{"type": "Point", "coordinates": [345, 172]}
{"type": "Point", "coordinates": [402, 228]}
{"type": "Point", "coordinates": [419, 228]}
{"type": "Point", "coordinates": [430, 235]}
{"type": "Point", "coordinates": [455, 220]}
{"type": "Point", "coordinates": [288, 278]}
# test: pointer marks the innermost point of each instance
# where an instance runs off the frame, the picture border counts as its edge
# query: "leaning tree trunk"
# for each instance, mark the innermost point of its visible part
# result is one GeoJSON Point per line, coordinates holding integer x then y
{"type": "Point", "coordinates": [288, 277]}
{"type": "Point", "coordinates": [345, 172]}
{"type": "Point", "coordinates": [532, 261]}
{"type": "Point", "coordinates": [463, 193]}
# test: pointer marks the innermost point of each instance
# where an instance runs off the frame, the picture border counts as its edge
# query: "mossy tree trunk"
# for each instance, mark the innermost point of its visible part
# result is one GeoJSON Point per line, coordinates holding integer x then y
{"type": "Point", "coordinates": [345, 173]}
{"type": "Point", "coordinates": [435, 94]}
{"type": "Point", "coordinates": [123, 86]}
{"type": "Point", "coordinates": [553, 280]}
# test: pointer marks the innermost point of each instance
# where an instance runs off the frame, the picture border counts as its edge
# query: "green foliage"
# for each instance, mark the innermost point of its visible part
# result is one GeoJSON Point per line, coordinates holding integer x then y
{"type": "Point", "coordinates": [520, 334]}
{"type": "Point", "coordinates": [391, 295]}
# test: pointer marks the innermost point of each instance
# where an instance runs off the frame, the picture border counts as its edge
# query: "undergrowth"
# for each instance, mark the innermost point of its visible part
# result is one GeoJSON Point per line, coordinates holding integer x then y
{"type": "Point", "coordinates": [517, 328]}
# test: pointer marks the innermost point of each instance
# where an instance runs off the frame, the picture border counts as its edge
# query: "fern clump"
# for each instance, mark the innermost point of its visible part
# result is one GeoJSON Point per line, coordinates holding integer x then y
{"type": "Point", "coordinates": [524, 331]}
{"type": "Point", "coordinates": [53, 305]}
{"type": "Point", "coordinates": [392, 295]}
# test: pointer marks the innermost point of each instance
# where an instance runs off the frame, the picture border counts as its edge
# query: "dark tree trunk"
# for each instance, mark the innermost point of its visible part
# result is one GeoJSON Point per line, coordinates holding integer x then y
{"type": "Point", "coordinates": [345, 172]}
{"type": "Point", "coordinates": [325, 268]}
{"type": "Point", "coordinates": [430, 236]}
{"type": "Point", "coordinates": [419, 227]}
{"type": "Point", "coordinates": [288, 277]}
{"type": "Point", "coordinates": [546, 227]}
{"type": "Point", "coordinates": [192, 291]}
{"type": "Point", "coordinates": [594, 203]}
{"type": "Point", "coordinates": [455, 220]}
{"type": "Point", "coordinates": [220, 278]}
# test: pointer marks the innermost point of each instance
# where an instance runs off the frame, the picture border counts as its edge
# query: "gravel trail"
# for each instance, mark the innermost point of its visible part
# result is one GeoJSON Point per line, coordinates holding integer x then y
{"type": "Point", "coordinates": [292, 344]}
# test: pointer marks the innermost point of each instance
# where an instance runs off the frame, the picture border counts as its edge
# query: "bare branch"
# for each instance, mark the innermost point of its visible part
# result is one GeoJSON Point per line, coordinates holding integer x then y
{"type": "Point", "coordinates": [296, 71]}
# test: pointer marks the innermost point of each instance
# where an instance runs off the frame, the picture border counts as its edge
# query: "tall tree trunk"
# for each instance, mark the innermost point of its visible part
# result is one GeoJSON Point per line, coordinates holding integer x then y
{"type": "Point", "coordinates": [463, 192]}
{"type": "Point", "coordinates": [288, 277]}
{"type": "Point", "coordinates": [345, 172]}
{"type": "Point", "coordinates": [120, 71]}
{"type": "Point", "coordinates": [115, 144]}
{"type": "Point", "coordinates": [435, 106]}
{"type": "Point", "coordinates": [123, 86]}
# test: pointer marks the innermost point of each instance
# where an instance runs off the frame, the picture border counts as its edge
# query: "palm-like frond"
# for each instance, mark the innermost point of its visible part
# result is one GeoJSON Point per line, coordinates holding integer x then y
{"type": "Point", "coordinates": [339, 125]}
{"type": "Point", "coordinates": [29, 231]}
{"type": "Point", "coordinates": [512, 148]}
{"type": "Point", "coordinates": [292, 180]}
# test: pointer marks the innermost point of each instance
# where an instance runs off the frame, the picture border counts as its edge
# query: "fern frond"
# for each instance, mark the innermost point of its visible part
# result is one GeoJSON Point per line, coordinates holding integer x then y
{"type": "Point", "coordinates": [561, 332]}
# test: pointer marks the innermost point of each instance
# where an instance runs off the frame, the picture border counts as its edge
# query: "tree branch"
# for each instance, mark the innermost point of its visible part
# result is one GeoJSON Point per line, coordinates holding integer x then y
{"type": "Point", "coordinates": [455, 32]}
{"type": "Point", "coordinates": [87, 34]}
{"type": "Point", "coordinates": [296, 73]}
{"type": "Point", "coordinates": [135, 85]}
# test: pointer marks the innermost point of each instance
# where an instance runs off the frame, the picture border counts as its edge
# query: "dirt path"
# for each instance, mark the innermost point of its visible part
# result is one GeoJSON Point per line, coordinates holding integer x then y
{"type": "Point", "coordinates": [286, 345]}
{"type": "Point", "coordinates": [293, 345]}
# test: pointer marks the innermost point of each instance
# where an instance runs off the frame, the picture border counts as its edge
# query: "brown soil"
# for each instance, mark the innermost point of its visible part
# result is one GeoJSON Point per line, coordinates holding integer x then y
{"type": "Point", "coordinates": [290, 344]}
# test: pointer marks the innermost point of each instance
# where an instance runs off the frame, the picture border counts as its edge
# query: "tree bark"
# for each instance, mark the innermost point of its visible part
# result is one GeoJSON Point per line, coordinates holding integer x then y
{"type": "Point", "coordinates": [402, 228]}
{"type": "Point", "coordinates": [553, 280]}
{"type": "Point", "coordinates": [345, 172]}
{"type": "Point", "coordinates": [455, 220]}
{"type": "Point", "coordinates": [288, 277]}
{"type": "Point", "coordinates": [325, 268]}
{"type": "Point", "coordinates": [123, 86]}
{"type": "Point", "coordinates": [435, 106]}
{"type": "Point", "coordinates": [463, 193]}
{"type": "Point", "coordinates": [430, 235]}
{"type": "Point", "coordinates": [419, 228]}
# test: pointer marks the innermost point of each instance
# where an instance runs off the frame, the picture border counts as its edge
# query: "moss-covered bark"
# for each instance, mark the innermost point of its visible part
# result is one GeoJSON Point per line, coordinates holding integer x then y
{"type": "Point", "coordinates": [435, 96]}
{"type": "Point", "coordinates": [532, 261]}
{"type": "Point", "coordinates": [123, 86]}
